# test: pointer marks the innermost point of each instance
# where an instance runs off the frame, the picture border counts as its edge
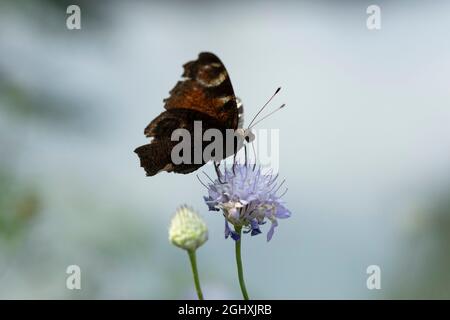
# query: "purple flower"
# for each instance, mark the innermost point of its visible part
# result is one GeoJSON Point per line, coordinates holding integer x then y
{"type": "Point", "coordinates": [248, 198]}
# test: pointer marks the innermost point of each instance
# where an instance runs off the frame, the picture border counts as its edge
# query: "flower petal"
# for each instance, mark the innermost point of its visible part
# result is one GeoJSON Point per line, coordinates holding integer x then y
{"type": "Point", "coordinates": [282, 212]}
{"type": "Point", "coordinates": [271, 230]}
{"type": "Point", "coordinates": [255, 227]}
{"type": "Point", "coordinates": [235, 236]}
{"type": "Point", "coordinates": [227, 229]}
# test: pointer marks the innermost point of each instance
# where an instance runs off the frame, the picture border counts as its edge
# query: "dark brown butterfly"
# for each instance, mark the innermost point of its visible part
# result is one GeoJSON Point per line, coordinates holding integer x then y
{"type": "Point", "coordinates": [205, 94]}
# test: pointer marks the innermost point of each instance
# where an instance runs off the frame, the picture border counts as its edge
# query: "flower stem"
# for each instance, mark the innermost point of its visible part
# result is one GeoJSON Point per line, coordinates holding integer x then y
{"type": "Point", "coordinates": [239, 264]}
{"type": "Point", "coordinates": [193, 260]}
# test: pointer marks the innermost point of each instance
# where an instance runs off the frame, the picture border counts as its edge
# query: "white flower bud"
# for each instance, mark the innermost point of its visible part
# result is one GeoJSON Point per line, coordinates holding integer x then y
{"type": "Point", "coordinates": [187, 229]}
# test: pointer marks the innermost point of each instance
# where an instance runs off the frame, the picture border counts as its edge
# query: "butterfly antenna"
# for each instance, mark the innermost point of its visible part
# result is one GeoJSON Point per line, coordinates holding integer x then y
{"type": "Point", "coordinates": [264, 106]}
{"type": "Point", "coordinates": [265, 117]}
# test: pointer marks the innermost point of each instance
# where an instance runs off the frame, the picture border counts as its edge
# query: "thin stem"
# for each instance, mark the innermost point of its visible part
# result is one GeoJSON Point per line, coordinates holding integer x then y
{"type": "Point", "coordinates": [239, 264]}
{"type": "Point", "coordinates": [193, 260]}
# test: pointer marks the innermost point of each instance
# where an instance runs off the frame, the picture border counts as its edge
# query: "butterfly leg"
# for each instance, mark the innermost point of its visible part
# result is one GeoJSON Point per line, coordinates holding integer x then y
{"type": "Point", "coordinates": [219, 174]}
{"type": "Point", "coordinates": [245, 154]}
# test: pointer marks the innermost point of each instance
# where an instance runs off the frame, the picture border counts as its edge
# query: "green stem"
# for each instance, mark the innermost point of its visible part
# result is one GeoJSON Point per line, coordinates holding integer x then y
{"type": "Point", "coordinates": [193, 260]}
{"type": "Point", "coordinates": [239, 264]}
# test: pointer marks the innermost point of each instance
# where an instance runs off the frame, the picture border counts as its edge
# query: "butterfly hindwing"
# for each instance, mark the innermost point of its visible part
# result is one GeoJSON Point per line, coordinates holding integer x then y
{"type": "Point", "coordinates": [157, 155]}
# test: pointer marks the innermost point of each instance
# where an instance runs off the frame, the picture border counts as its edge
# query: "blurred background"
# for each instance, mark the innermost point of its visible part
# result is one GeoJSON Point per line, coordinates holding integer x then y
{"type": "Point", "coordinates": [365, 147]}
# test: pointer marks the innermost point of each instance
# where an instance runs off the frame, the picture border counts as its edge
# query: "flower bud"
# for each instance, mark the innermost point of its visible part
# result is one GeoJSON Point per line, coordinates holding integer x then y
{"type": "Point", "coordinates": [187, 229]}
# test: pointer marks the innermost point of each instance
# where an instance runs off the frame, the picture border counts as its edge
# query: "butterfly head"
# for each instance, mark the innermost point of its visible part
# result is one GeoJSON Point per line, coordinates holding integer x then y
{"type": "Point", "coordinates": [245, 134]}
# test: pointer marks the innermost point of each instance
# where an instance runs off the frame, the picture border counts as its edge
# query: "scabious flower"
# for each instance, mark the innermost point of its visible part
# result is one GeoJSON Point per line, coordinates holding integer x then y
{"type": "Point", "coordinates": [187, 229]}
{"type": "Point", "coordinates": [247, 198]}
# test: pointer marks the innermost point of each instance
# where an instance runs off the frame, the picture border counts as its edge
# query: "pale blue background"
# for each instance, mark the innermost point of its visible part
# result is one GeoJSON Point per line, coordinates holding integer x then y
{"type": "Point", "coordinates": [365, 147]}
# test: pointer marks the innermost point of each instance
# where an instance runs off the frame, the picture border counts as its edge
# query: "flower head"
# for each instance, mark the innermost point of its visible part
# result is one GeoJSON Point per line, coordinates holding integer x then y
{"type": "Point", "coordinates": [247, 198]}
{"type": "Point", "coordinates": [187, 230]}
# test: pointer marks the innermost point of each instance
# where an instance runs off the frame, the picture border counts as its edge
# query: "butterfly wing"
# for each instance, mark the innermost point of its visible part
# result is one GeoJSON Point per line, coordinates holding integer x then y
{"type": "Point", "coordinates": [205, 95]}
{"type": "Point", "coordinates": [206, 88]}
{"type": "Point", "coordinates": [157, 155]}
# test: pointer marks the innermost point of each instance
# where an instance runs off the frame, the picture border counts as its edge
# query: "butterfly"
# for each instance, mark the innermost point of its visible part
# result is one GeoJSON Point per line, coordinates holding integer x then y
{"type": "Point", "coordinates": [205, 94]}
